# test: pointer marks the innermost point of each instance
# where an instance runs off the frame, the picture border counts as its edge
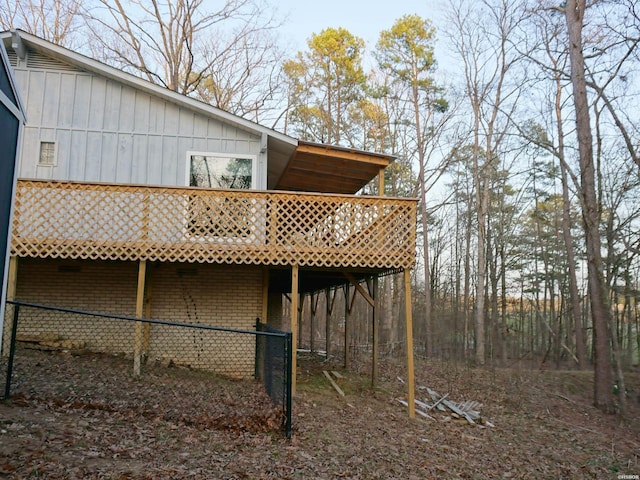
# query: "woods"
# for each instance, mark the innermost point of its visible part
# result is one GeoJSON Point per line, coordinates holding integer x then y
{"type": "Point", "coordinates": [521, 145]}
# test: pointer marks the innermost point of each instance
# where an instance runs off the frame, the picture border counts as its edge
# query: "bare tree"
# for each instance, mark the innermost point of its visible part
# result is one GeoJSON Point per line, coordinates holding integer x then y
{"type": "Point", "coordinates": [171, 43]}
{"type": "Point", "coordinates": [53, 20]}
{"type": "Point", "coordinates": [481, 37]}
{"type": "Point", "coordinates": [244, 75]}
{"type": "Point", "coordinates": [544, 45]}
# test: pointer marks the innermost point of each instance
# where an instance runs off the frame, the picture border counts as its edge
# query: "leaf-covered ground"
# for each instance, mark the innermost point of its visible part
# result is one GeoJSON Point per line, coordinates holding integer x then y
{"type": "Point", "coordinates": [87, 417]}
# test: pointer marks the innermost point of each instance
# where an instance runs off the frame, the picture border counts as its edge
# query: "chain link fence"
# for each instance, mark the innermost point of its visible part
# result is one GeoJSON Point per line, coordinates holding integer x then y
{"type": "Point", "coordinates": [273, 365]}
{"type": "Point", "coordinates": [148, 344]}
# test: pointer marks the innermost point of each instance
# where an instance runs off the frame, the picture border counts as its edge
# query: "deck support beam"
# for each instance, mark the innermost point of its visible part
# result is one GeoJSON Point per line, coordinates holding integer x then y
{"type": "Point", "coordinates": [12, 278]}
{"type": "Point", "coordinates": [139, 330]}
{"type": "Point", "coordinates": [265, 295]}
{"type": "Point", "coordinates": [347, 323]}
{"type": "Point", "coordinates": [295, 299]}
{"type": "Point", "coordinates": [360, 289]}
{"type": "Point", "coordinates": [146, 335]}
{"type": "Point", "coordinates": [411, 396]}
{"type": "Point", "coordinates": [327, 319]}
{"type": "Point", "coordinates": [376, 331]}
{"type": "Point", "coordinates": [312, 322]}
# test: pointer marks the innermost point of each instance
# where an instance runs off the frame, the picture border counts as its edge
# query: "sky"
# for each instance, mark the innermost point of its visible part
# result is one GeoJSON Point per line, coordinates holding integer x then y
{"type": "Point", "coordinates": [363, 18]}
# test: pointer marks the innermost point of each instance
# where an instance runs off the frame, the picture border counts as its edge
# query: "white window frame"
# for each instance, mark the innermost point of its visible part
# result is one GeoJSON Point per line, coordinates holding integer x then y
{"type": "Point", "coordinates": [228, 239]}
{"type": "Point", "coordinates": [253, 158]}
{"type": "Point", "coordinates": [53, 157]}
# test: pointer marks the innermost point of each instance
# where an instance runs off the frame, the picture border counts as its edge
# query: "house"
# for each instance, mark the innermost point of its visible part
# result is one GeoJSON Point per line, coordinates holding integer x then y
{"type": "Point", "coordinates": [11, 121]}
{"type": "Point", "coordinates": [133, 199]}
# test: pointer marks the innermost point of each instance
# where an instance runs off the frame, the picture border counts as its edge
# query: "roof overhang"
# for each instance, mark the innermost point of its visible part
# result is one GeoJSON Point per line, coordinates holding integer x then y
{"type": "Point", "coordinates": [323, 168]}
{"type": "Point", "coordinates": [20, 41]}
{"type": "Point", "coordinates": [292, 165]}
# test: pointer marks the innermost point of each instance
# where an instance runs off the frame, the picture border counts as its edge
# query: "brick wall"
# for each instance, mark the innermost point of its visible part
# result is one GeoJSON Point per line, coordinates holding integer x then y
{"type": "Point", "coordinates": [219, 295]}
{"type": "Point", "coordinates": [106, 287]}
{"type": "Point", "coordinates": [84, 285]}
{"type": "Point", "coordinates": [222, 295]}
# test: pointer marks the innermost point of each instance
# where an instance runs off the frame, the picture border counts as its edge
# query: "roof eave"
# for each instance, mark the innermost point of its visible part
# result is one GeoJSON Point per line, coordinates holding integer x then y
{"type": "Point", "coordinates": [85, 63]}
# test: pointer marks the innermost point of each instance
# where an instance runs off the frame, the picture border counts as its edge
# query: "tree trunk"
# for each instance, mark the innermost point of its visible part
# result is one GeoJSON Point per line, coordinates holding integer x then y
{"type": "Point", "coordinates": [603, 399]}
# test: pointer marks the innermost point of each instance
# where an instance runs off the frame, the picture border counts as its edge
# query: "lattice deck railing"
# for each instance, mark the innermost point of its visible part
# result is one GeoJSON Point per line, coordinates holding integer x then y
{"type": "Point", "coordinates": [124, 222]}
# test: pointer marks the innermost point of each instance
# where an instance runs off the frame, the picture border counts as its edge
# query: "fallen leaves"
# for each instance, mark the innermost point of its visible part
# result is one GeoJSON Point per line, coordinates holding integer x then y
{"type": "Point", "coordinates": [88, 418]}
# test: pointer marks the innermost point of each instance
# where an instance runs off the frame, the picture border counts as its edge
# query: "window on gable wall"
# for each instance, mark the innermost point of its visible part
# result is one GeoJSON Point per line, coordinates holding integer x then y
{"type": "Point", "coordinates": [47, 153]}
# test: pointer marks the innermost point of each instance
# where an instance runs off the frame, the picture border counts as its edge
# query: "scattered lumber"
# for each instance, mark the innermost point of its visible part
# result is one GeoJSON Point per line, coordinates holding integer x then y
{"type": "Point", "coordinates": [439, 401]}
{"type": "Point", "coordinates": [468, 410]}
{"type": "Point", "coordinates": [418, 411]}
{"type": "Point", "coordinates": [333, 383]}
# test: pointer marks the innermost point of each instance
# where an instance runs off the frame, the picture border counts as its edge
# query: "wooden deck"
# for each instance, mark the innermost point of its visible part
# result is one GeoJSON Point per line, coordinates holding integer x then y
{"type": "Point", "coordinates": [124, 222]}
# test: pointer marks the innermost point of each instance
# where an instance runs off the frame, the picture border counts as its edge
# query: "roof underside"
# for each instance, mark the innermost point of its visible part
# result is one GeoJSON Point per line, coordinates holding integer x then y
{"type": "Point", "coordinates": [314, 279]}
{"type": "Point", "coordinates": [330, 169]}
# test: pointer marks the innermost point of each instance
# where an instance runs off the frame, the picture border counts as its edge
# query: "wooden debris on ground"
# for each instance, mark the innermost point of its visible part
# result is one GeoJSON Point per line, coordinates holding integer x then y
{"type": "Point", "coordinates": [418, 411]}
{"type": "Point", "coordinates": [468, 410]}
{"type": "Point", "coordinates": [333, 383]}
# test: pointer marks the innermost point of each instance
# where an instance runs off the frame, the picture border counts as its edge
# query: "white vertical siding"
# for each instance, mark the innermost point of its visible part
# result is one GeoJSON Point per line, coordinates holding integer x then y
{"type": "Point", "coordinates": [66, 97]}
{"type": "Point", "coordinates": [111, 107]}
{"type": "Point", "coordinates": [82, 102]}
{"type": "Point", "coordinates": [34, 97]}
{"type": "Point", "coordinates": [50, 105]}
{"type": "Point", "coordinates": [77, 155]}
{"type": "Point", "coordinates": [97, 104]}
{"type": "Point", "coordinates": [94, 154]}
{"type": "Point", "coordinates": [109, 132]}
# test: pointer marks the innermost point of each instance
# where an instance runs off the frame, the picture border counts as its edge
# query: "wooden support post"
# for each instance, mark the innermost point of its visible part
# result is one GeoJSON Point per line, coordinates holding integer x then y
{"type": "Point", "coordinates": [146, 341]}
{"type": "Point", "coordinates": [312, 321]}
{"type": "Point", "coordinates": [381, 182]}
{"type": "Point", "coordinates": [12, 278]}
{"type": "Point", "coordinates": [411, 396]}
{"type": "Point", "coordinates": [12, 286]}
{"type": "Point", "coordinates": [295, 298]}
{"type": "Point", "coordinates": [301, 299]}
{"type": "Point", "coordinates": [347, 325]}
{"type": "Point", "coordinates": [327, 321]}
{"type": "Point", "coordinates": [376, 331]}
{"type": "Point", "coordinates": [265, 295]}
{"type": "Point", "coordinates": [138, 335]}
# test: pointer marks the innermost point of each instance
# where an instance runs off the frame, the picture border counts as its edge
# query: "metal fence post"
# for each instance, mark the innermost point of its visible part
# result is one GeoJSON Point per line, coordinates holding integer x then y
{"type": "Point", "coordinates": [12, 351]}
{"type": "Point", "coordinates": [257, 374]}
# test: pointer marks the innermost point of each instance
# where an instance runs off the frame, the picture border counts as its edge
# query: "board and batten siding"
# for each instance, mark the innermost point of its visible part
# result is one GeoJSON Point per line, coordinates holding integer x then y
{"type": "Point", "coordinates": [106, 131]}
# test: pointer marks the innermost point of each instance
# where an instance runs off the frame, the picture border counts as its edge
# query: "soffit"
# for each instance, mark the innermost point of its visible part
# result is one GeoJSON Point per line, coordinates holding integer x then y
{"type": "Point", "coordinates": [329, 169]}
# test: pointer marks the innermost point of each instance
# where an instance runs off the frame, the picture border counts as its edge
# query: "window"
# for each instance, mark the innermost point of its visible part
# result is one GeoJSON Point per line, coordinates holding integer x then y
{"type": "Point", "coordinates": [218, 171]}
{"type": "Point", "coordinates": [47, 153]}
{"type": "Point", "coordinates": [220, 216]}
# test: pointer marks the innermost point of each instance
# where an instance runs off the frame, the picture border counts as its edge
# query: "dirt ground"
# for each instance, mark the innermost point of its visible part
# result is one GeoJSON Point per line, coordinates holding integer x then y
{"type": "Point", "coordinates": [87, 417]}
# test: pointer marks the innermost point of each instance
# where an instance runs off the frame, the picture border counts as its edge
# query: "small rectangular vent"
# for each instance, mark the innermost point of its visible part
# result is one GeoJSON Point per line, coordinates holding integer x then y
{"type": "Point", "coordinates": [37, 60]}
